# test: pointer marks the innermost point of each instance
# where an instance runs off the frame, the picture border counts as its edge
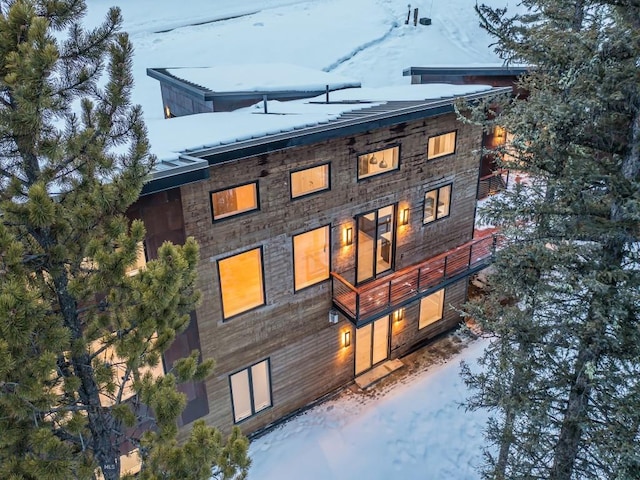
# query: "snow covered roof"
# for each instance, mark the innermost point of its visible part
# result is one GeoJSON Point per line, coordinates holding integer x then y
{"type": "Point", "coordinates": [225, 136]}
{"type": "Point", "coordinates": [465, 70]}
{"type": "Point", "coordinates": [259, 77]}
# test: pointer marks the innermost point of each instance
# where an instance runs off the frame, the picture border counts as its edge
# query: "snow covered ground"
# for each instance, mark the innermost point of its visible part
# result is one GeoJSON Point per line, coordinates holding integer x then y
{"type": "Point", "coordinates": [414, 430]}
{"type": "Point", "coordinates": [366, 40]}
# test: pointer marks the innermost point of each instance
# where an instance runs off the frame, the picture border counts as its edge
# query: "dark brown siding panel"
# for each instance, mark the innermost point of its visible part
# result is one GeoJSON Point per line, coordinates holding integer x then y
{"type": "Point", "coordinates": [163, 219]}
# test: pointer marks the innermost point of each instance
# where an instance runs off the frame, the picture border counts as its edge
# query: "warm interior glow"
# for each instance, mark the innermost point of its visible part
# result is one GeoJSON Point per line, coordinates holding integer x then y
{"type": "Point", "coordinates": [311, 257]}
{"type": "Point", "coordinates": [375, 243]}
{"type": "Point", "coordinates": [140, 263]}
{"type": "Point", "coordinates": [130, 463]}
{"type": "Point", "coordinates": [241, 282]}
{"type": "Point", "coordinates": [235, 200]}
{"type": "Point", "coordinates": [378, 162]}
{"type": "Point", "coordinates": [431, 308]}
{"type": "Point", "coordinates": [437, 203]}
{"type": "Point", "coordinates": [110, 357]}
{"type": "Point", "coordinates": [441, 145]}
{"type": "Point", "coordinates": [309, 181]}
{"type": "Point", "coordinates": [372, 344]}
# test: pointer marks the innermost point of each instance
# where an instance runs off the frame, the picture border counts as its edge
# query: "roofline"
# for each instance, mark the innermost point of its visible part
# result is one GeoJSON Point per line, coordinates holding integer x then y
{"type": "Point", "coordinates": [206, 94]}
{"type": "Point", "coordinates": [163, 76]}
{"type": "Point", "coordinates": [334, 129]}
{"type": "Point", "coordinates": [186, 169]}
{"type": "Point", "coordinates": [497, 71]}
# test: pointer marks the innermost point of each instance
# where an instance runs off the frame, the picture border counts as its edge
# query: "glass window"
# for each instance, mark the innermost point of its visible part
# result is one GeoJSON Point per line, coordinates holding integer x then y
{"type": "Point", "coordinates": [141, 261]}
{"type": "Point", "coordinates": [431, 308]}
{"type": "Point", "coordinates": [311, 257]}
{"type": "Point", "coordinates": [250, 390]}
{"type": "Point", "coordinates": [310, 180]}
{"type": "Point", "coordinates": [109, 357]}
{"type": "Point", "coordinates": [437, 204]}
{"type": "Point", "coordinates": [441, 145]}
{"type": "Point", "coordinates": [241, 282]}
{"type": "Point", "coordinates": [378, 162]}
{"type": "Point", "coordinates": [233, 201]}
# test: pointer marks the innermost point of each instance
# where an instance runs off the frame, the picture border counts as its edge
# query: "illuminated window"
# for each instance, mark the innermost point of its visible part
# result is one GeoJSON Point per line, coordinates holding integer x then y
{"type": "Point", "coordinates": [141, 261]}
{"type": "Point", "coordinates": [233, 201]}
{"type": "Point", "coordinates": [378, 162]}
{"type": "Point", "coordinates": [310, 180]}
{"type": "Point", "coordinates": [431, 308]}
{"type": "Point", "coordinates": [311, 257]}
{"type": "Point", "coordinates": [250, 390]}
{"type": "Point", "coordinates": [241, 282]}
{"type": "Point", "coordinates": [110, 358]}
{"type": "Point", "coordinates": [437, 204]}
{"type": "Point", "coordinates": [441, 145]}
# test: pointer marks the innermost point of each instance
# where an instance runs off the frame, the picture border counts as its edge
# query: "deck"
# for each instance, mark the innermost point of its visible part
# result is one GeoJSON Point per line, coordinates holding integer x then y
{"type": "Point", "coordinates": [380, 297]}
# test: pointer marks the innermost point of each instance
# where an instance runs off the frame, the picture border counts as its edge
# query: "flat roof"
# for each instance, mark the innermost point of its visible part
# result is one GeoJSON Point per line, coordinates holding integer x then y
{"type": "Point", "coordinates": [228, 136]}
{"type": "Point", "coordinates": [254, 79]}
{"type": "Point", "coordinates": [485, 70]}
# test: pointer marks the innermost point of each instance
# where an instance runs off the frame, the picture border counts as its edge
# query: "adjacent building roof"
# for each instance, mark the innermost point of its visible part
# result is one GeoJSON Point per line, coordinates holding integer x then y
{"type": "Point", "coordinates": [274, 79]}
{"type": "Point", "coordinates": [485, 70]}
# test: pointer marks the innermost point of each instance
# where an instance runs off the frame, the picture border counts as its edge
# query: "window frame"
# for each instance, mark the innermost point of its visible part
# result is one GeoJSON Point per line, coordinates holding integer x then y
{"type": "Point", "coordinates": [293, 252]}
{"type": "Point", "coordinates": [444, 298]}
{"type": "Point", "coordinates": [424, 203]}
{"type": "Point", "coordinates": [251, 393]}
{"type": "Point", "coordinates": [376, 175]}
{"type": "Point", "coordinates": [455, 145]}
{"type": "Point", "coordinates": [262, 279]}
{"type": "Point", "coordinates": [315, 192]}
{"type": "Point", "coordinates": [234, 215]}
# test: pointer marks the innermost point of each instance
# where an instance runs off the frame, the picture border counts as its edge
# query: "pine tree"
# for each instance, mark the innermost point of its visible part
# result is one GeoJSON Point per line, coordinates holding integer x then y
{"type": "Point", "coordinates": [79, 338]}
{"type": "Point", "coordinates": [562, 373]}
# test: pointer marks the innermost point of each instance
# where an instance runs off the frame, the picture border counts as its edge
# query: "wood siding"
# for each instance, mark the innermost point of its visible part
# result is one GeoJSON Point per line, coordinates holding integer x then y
{"type": "Point", "coordinates": [293, 330]}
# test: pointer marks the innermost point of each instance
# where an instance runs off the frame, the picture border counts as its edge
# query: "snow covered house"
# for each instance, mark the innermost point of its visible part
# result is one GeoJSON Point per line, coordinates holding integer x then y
{"type": "Point", "coordinates": [336, 232]}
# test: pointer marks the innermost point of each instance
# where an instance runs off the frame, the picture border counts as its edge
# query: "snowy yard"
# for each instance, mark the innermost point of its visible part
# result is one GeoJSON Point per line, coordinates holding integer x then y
{"type": "Point", "coordinates": [415, 429]}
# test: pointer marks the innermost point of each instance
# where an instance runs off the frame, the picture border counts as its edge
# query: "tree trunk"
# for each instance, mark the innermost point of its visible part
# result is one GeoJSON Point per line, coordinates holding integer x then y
{"type": "Point", "coordinates": [105, 429]}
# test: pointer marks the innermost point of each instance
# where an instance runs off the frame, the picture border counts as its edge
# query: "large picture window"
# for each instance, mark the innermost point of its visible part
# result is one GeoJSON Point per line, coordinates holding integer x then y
{"type": "Point", "coordinates": [437, 204]}
{"type": "Point", "coordinates": [310, 180]}
{"type": "Point", "coordinates": [241, 282]}
{"type": "Point", "coordinates": [234, 201]}
{"type": "Point", "coordinates": [311, 257]}
{"type": "Point", "coordinates": [441, 145]}
{"type": "Point", "coordinates": [431, 308]}
{"type": "Point", "coordinates": [250, 390]}
{"type": "Point", "coordinates": [375, 163]}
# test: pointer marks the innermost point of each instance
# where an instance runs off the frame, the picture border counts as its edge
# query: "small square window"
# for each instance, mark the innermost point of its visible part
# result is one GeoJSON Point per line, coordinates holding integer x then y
{"type": "Point", "coordinates": [378, 162]}
{"type": "Point", "coordinates": [437, 204]}
{"type": "Point", "coordinates": [310, 180]}
{"type": "Point", "coordinates": [234, 201]}
{"type": "Point", "coordinates": [441, 145]}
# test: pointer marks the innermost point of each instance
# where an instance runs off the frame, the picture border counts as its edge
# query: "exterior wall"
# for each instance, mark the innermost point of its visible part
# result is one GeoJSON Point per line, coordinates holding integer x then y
{"type": "Point", "coordinates": [163, 220]}
{"type": "Point", "coordinates": [180, 103]}
{"type": "Point", "coordinates": [306, 356]}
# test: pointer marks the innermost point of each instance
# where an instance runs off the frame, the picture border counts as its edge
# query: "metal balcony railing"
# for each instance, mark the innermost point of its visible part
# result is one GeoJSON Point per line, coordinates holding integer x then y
{"type": "Point", "coordinates": [380, 297]}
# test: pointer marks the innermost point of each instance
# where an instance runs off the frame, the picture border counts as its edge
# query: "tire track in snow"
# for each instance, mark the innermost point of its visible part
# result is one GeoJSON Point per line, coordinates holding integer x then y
{"type": "Point", "coordinates": [361, 48]}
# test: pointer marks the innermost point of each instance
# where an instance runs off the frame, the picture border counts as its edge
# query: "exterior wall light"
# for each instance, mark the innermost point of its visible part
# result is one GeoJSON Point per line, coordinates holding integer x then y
{"type": "Point", "coordinates": [347, 236]}
{"type": "Point", "coordinates": [398, 315]}
{"type": "Point", "coordinates": [404, 216]}
{"type": "Point", "coordinates": [346, 339]}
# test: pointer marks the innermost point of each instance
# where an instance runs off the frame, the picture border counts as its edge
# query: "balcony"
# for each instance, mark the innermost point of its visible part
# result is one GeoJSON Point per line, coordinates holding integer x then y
{"type": "Point", "coordinates": [380, 297]}
{"type": "Point", "coordinates": [493, 183]}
